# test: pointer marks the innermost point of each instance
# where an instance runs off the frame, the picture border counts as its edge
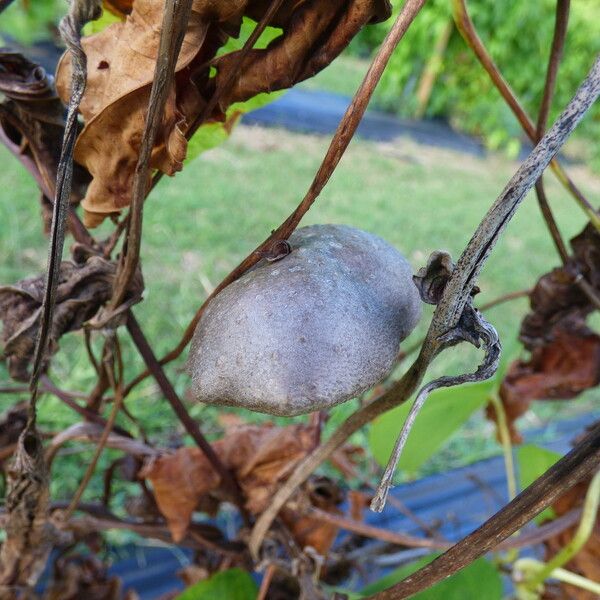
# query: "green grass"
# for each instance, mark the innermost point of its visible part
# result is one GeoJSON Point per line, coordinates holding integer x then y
{"type": "Point", "coordinates": [199, 224]}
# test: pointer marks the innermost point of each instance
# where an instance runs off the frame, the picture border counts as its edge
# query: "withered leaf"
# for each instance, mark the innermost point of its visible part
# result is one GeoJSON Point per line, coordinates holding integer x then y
{"type": "Point", "coordinates": [309, 531]}
{"type": "Point", "coordinates": [559, 370]}
{"type": "Point", "coordinates": [565, 353]}
{"type": "Point", "coordinates": [12, 424]}
{"type": "Point", "coordinates": [259, 456]}
{"type": "Point", "coordinates": [556, 300]}
{"type": "Point", "coordinates": [121, 61]}
{"type": "Point", "coordinates": [32, 122]}
{"type": "Point", "coordinates": [83, 288]}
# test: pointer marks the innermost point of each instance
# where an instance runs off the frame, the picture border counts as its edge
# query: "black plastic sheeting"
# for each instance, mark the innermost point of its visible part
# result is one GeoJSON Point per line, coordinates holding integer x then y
{"type": "Point", "coordinates": [456, 502]}
{"type": "Point", "coordinates": [313, 111]}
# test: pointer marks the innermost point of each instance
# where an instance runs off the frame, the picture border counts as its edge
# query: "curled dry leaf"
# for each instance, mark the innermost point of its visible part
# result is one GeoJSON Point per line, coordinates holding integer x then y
{"type": "Point", "coordinates": [560, 370]}
{"type": "Point", "coordinates": [32, 123]}
{"type": "Point", "coordinates": [565, 353]}
{"type": "Point", "coordinates": [431, 280]}
{"type": "Point", "coordinates": [259, 456]}
{"type": "Point", "coordinates": [556, 300]}
{"type": "Point", "coordinates": [121, 61]}
{"type": "Point", "coordinates": [85, 284]}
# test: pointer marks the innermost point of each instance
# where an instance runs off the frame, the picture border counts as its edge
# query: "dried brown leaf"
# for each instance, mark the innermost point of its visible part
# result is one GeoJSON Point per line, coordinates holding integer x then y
{"type": "Point", "coordinates": [82, 289]}
{"type": "Point", "coordinates": [308, 530]}
{"type": "Point", "coordinates": [12, 424]}
{"type": "Point", "coordinates": [559, 370]}
{"type": "Point", "coordinates": [259, 456]}
{"type": "Point", "coordinates": [121, 62]}
{"type": "Point", "coordinates": [32, 122]}
{"type": "Point", "coordinates": [314, 33]}
{"type": "Point", "coordinates": [180, 480]}
{"type": "Point", "coordinates": [556, 300]}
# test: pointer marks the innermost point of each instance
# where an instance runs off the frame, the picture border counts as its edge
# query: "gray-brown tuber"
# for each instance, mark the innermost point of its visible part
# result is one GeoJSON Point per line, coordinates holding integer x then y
{"type": "Point", "coordinates": [308, 331]}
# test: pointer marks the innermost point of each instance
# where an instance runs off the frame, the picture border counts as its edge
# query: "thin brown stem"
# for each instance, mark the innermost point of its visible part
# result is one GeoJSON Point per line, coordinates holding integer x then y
{"type": "Point", "coordinates": [377, 533]}
{"type": "Point", "coordinates": [556, 51]}
{"type": "Point", "coordinates": [265, 584]}
{"type": "Point", "coordinates": [116, 385]}
{"type": "Point", "coordinates": [340, 141]}
{"type": "Point", "coordinates": [70, 400]}
{"type": "Point", "coordinates": [558, 41]}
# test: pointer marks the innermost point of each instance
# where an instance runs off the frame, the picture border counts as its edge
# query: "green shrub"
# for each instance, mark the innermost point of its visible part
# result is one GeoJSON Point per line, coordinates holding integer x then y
{"type": "Point", "coordinates": [518, 36]}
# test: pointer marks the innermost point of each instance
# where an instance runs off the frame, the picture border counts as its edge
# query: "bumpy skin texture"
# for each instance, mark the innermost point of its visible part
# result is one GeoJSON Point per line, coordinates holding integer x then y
{"type": "Point", "coordinates": [309, 331]}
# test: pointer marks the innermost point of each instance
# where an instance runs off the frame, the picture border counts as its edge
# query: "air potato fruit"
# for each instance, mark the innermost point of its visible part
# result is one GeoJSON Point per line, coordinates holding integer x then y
{"type": "Point", "coordinates": [309, 331]}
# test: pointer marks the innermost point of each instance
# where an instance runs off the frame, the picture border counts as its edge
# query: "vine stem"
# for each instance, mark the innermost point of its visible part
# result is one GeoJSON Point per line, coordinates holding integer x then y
{"type": "Point", "coordinates": [80, 12]}
{"type": "Point", "coordinates": [558, 42]}
{"type": "Point", "coordinates": [174, 24]}
{"type": "Point", "coordinates": [504, 434]}
{"type": "Point", "coordinates": [110, 422]}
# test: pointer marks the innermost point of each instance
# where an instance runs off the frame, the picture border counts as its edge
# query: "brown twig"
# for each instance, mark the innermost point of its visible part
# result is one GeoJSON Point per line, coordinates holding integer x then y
{"type": "Point", "coordinates": [198, 536]}
{"type": "Point", "coordinates": [178, 407]}
{"type": "Point", "coordinates": [558, 41]}
{"type": "Point", "coordinates": [115, 382]}
{"type": "Point", "coordinates": [556, 51]}
{"type": "Point", "coordinates": [342, 137]}
{"type": "Point", "coordinates": [265, 584]}
{"type": "Point", "coordinates": [467, 30]}
{"type": "Point", "coordinates": [456, 294]}
{"type": "Point", "coordinates": [580, 462]}
{"type": "Point", "coordinates": [174, 24]}
{"type": "Point", "coordinates": [70, 400]}
{"type": "Point", "coordinates": [377, 533]}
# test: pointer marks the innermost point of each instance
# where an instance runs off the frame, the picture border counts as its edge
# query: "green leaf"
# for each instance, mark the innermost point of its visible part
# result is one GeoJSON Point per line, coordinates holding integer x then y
{"type": "Point", "coordinates": [480, 579]}
{"type": "Point", "coordinates": [444, 412]}
{"type": "Point", "coordinates": [207, 137]}
{"type": "Point", "coordinates": [233, 584]}
{"type": "Point", "coordinates": [533, 462]}
{"type": "Point", "coordinates": [248, 25]}
{"type": "Point", "coordinates": [106, 19]}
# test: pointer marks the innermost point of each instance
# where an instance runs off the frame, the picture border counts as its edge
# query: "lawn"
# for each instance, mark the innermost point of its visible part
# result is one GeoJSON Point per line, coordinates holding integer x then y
{"type": "Point", "coordinates": [199, 224]}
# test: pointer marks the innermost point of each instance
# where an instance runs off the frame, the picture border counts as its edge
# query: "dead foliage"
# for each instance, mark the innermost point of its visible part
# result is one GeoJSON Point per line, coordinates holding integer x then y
{"type": "Point", "coordinates": [564, 352]}
{"type": "Point", "coordinates": [587, 561]}
{"type": "Point", "coordinates": [85, 285]}
{"type": "Point", "coordinates": [121, 62]}
{"type": "Point", "coordinates": [77, 577]}
{"type": "Point", "coordinates": [32, 124]}
{"type": "Point", "coordinates": [259, 456]}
